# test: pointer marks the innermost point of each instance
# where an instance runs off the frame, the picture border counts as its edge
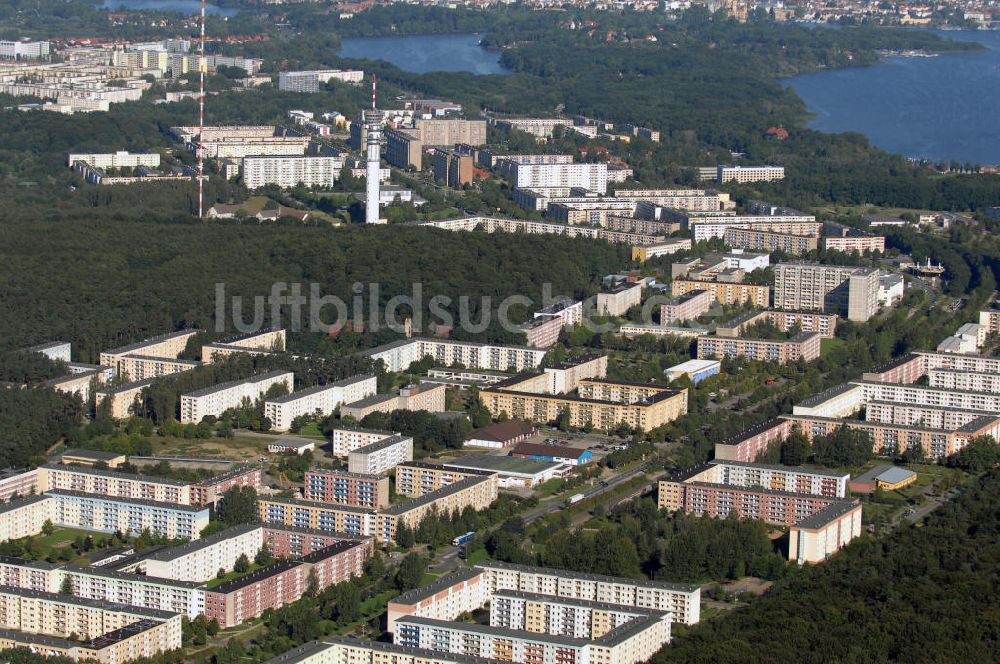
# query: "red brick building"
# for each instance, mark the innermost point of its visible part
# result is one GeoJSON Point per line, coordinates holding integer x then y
{"type": "Point", "coordinates": [208, 492]}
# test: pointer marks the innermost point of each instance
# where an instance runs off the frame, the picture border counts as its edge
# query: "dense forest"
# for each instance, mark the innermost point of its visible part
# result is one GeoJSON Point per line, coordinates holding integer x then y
{"type": "Point", "coordinates": [927, 593]}
{"type": "Point", "coordinates": [101, 284]}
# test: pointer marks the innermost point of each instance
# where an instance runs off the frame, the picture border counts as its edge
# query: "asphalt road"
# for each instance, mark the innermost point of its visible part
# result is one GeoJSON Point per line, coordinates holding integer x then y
{"type": "Point", "coordinates": [557, 505]}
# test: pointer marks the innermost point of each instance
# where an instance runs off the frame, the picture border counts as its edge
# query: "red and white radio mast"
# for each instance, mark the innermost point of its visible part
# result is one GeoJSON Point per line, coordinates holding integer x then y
{"type": "Point", "coordinates": [201, 115]}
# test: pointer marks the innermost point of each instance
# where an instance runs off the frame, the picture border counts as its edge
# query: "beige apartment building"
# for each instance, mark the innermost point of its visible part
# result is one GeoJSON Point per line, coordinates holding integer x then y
{"type": "Point", "coordinates": [140, 367]}
{"type": "Point", "coordinates": [107, 633]}
{"type": "Point", "coordinates": [424, 396]}
{"type": "Point", "coordinates": [725, 292]}
{"type": "Point", "coordinates": [24, 517]}
{"type": "Point", "coordinates": [416, 478]}
{"type": "Point", "coordinates": [123, 399]}
{"type": "Point", "coordinates": [746, 238]}
{"type": "Point", "coordinates": [803, 346]}
{"type": "Point", "coordinates": [665, 406]}
{"type": "Point", "coordinates": [167, 346]}
{"type": "Point", "coordinates": [114, 484]}
{"type": "Point", "coordinates": [686, 307]}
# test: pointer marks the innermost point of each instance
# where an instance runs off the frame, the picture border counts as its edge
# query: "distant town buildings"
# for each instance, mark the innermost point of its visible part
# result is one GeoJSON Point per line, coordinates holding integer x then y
{"type": "Point", "coordinates": [310, 81]}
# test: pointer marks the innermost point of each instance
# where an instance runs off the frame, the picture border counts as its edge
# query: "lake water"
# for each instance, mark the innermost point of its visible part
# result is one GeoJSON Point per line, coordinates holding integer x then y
{"type": "Point", "coordinates": [185, 7]}
{"type": "Point", "coordinates": [426, 53]}
{"type": "Point", "coordinates": [942, 108]}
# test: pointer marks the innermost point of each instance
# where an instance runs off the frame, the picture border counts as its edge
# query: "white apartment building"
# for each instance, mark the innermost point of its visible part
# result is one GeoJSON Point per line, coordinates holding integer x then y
{"type": "Point", "coordinates": [23, 50]}
{"type": "Point", "coordinates": [746, 261]}
{"type": "Point", "coordinates": [382, 456]}
{"type": "Point", "coordinates": [462, 591]}
{"type": "Point", "coordinates": [779, 478]}
{"type": "Point", "coordinates": [74, 509]}
{"type": "Point", "coordinates": [683, 601]}
{"type": "Point", "coordinates": [966, 381]}
{"type": "Point", "coordinates": [617, 301]}
{"type": "Point", "coordinates": [310, 81]}
{"type": "Point", "coordinates": [707, 227]}
{"type": "Point", "coordinates": [290, 171]}
{"type": "Point", "coordinates": [537, 127]}
{"type": "Point", "coordinates": [322, 399]}
{"type": "Point", "coordinates": [184, 597]}
{"type": "Point", "coordinates": [743, 174]}
{"type": "Point", "coordinates": [559, 616]}
{"type": "Point", "coordinates": [345, 440]}
{"type": "Point", "coordinates": [918, 395]}
{"type": "Point", "coordinates": [25, 517]}
{"type": "Point", "coordinates": [542, 176]}
{"type": "Point", "coordinates": [399, 355]}
{"type": "Point", "coordinates": [570, 310]}
{"type": "Point", "coordinates": [217, 399]}
{"type": "Point", "coordinates": [120, 159]}
{"type": "Point", "coordinates": [201, 559]}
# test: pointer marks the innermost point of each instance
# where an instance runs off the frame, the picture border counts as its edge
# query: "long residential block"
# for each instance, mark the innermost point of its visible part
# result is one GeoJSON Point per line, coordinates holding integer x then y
{"type": "Point", "coordinates": [283, 582]}
{"type": "Point", "coordinates": [113, 484]}
{"type": "Point", "coordinates": [802, 346]}
{"type": "Point", "coordinates": [345, 439]}
{"type": "Point", "coordinates": [725, 292]}
{"type": "Point", "coordinates": [108, 515]}
{"type": "Point", "coordinates": [106, 633]}
{"type": "Point", "coordinates": [682, 601]}
{"type": "Point", "coordinates": [217, 399]}
{"type": "Point", "coordinates": [448, 597]}
{"type": "Point", "coordinates": [399, 355]}
{"type": "Point", "coordinates": [416, 478]}
{"type": "Point", "coordinates": [318, 400]}
{"type": "Point", "coordinates": [168, 346]}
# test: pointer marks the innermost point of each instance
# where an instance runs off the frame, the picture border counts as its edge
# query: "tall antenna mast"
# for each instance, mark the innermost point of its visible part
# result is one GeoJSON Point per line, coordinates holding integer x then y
{"type": "Point", "coordinates": [201, 115]}
{"type": "Point", "coordinates": [373, 90]}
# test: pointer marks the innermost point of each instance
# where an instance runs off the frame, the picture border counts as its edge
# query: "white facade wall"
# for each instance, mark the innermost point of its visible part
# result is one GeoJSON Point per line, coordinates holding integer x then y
{"type": "Point", "coordinates": [323, 399]}
{"type": "Point", "coordinates": [290, 171]}
{"type": "Point", "coordinates": [542, 176]}
{"type": "Point", "coordinates": [204, 562]}
{"type": "Point", "coordinates": [381, 457]}
{"type": "Point", "coordinates": [216, 401]}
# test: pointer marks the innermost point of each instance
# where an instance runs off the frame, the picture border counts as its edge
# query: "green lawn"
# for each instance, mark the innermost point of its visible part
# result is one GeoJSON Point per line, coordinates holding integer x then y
{"type": "Point", "coordinates": [827, 345]}
{"type": "Point", "coordinates": [232, 575]}
{"type": "Point", "coordinates": [476, 557]}
{"type": "Point", "coordinates": [311, 430]}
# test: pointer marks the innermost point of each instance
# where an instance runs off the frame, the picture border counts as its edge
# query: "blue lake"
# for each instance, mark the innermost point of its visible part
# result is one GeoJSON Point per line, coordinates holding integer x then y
{"type": "Point", "coordinates": [941, 108]}
{"type": "Point", "coordinates": [426, 53]}
{"type": "Point", "coordinates": [180, 6]}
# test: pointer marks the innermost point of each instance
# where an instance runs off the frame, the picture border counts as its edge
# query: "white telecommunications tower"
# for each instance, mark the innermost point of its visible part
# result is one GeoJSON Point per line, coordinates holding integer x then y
{"type": "Point", "coordinates": [373, 146]}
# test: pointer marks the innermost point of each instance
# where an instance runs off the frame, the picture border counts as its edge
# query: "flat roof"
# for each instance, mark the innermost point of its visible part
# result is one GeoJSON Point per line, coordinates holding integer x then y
{"type": "Point", "coordinates": [256, 378]}
{"type": "Point", "coordinates": [371, 400]}
{"type": "Point", "coordinates": [434, 587]}
{"type": "Point", "coordinates": [300, 653]}
{"type": "Point", "coordinates": [346, 474]}
{"type": "Point", "coordinates": [135, 578]}
{"type": "Point", "coordinates": [314, 504]}
{"type": "Point", "coordinates": [407, 652]}
{"type": "Point", "coordinates": [503, 464]}
{"type": "Point", "coordinates": [292, 396]}
{"type": "Point", "coordinates": [582, 603]}
{"type": "Point", "coordinates": [134, 385]}
{"type": "Point", "coordinates": [789, 469]}
{"type": "Point", "coordinates": [391, 440]}
{"type": "Point", "coordinates": [827, 514]}
{"type": "Point", "coordinates": [454, 487]}
{"type": "Point", "coordinates": [541, 449]}
{"type": "Point", "coordinates": [586, 576]}
{"type": "Point", "coordinates": [254, 577]}
{"type": "Point", "coordinates": [181, 550]}
{"type": "Point", "coordinates": [827, 394]}
{"type": "Point", "coordinates": [96, 455]}
{"type": "Point", "coordinates": [662, 395]}
{"type": "Point", "coordinates": [925, 388]}
{"type": "Point", "coordinates": [87, 470]}
{"type": "Point", "coordinates": [150, 341]}
{"type": "Point", "coordinates": [92, 603]}
{"type": "Point", "coordinates": [131, 501]}
{"type": "Point", "coordinates": [22, 502]}
{"type": "Point", "coordinates": [502, 431]}
{"type": "Point", "coordinates": [153, 358]}
{"type": "Point", "coordinates": [695, 365]}
{"type": "Point", "coordinates": [569, 641]}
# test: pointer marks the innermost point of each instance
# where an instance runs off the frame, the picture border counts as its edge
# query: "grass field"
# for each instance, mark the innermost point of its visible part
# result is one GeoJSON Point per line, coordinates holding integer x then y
{"type": "Point", "coordinates": [311, 430]}
{"type": "Point", "coordinates": [238, 447]}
